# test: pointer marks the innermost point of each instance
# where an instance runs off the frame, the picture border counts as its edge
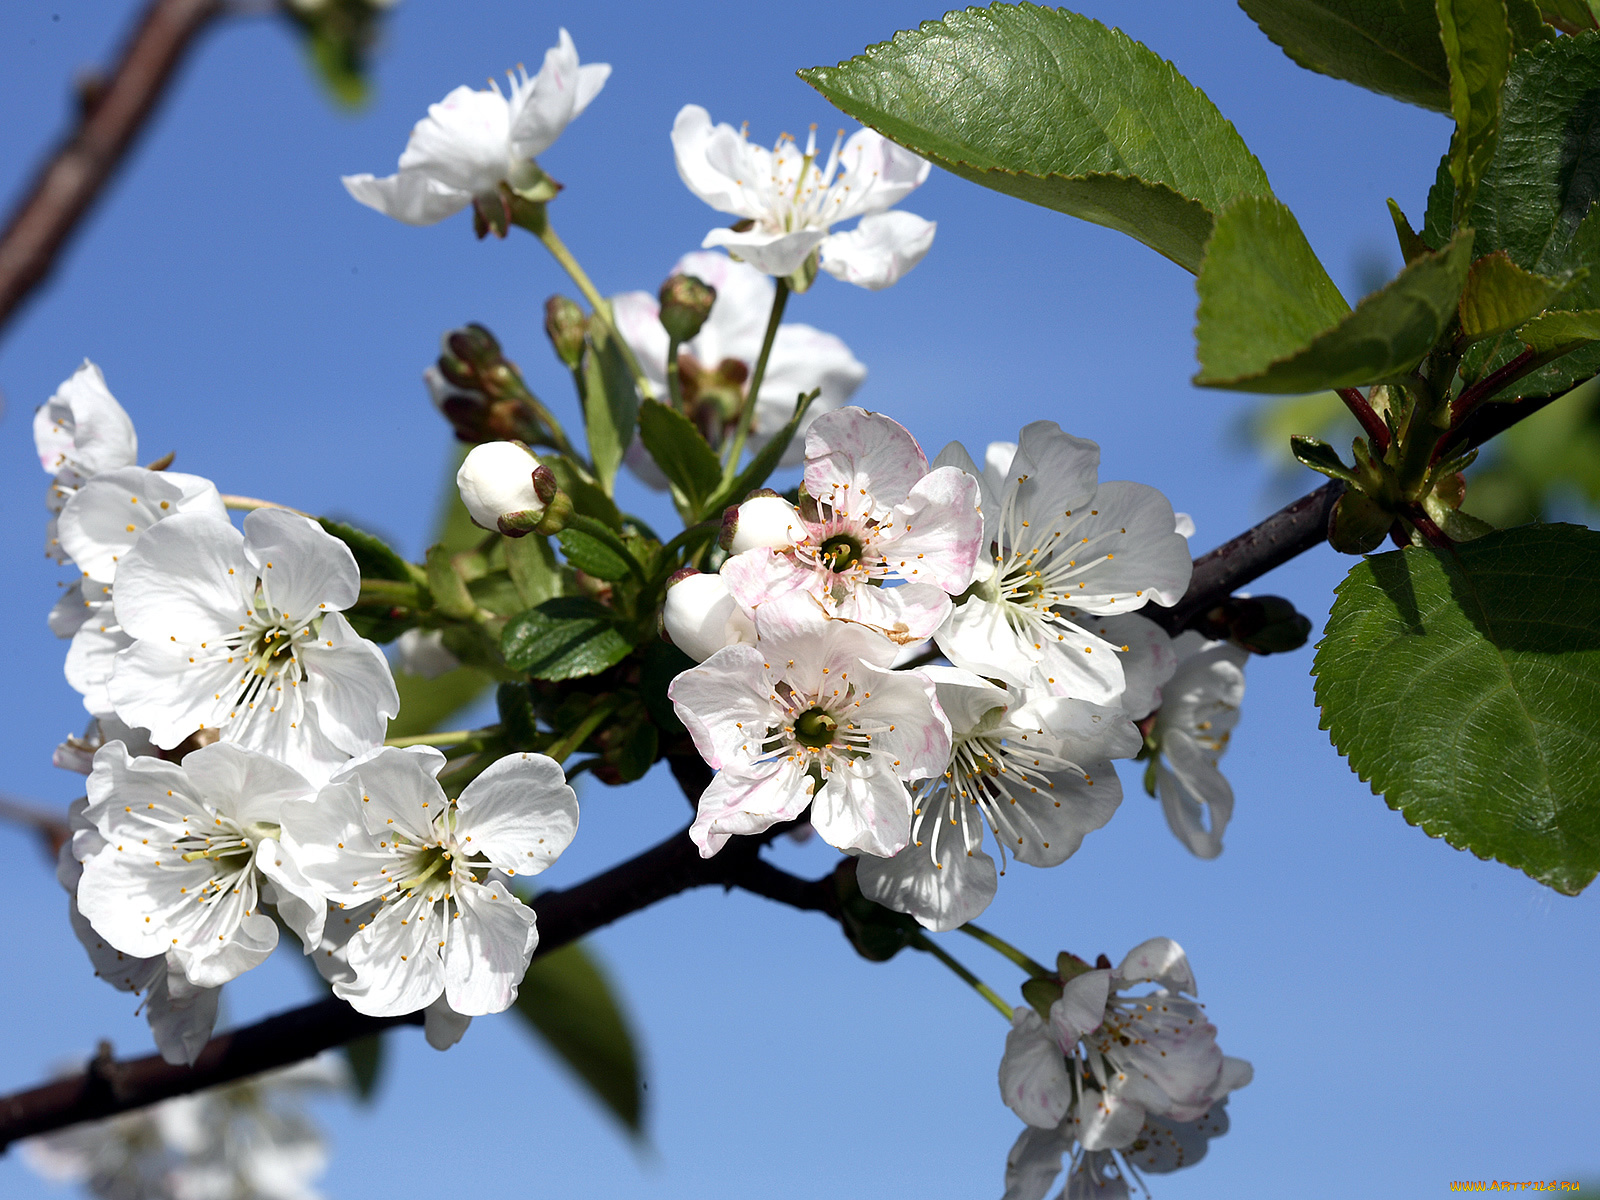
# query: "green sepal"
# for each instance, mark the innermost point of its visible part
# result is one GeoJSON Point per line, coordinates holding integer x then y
{"type": "Point", "coordinates": [1042, 993]}
{"type": "Point", "coordinates": [1358, 524]}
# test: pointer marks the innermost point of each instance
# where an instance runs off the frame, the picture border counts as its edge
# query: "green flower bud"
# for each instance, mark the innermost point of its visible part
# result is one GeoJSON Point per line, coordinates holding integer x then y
{"type": "Point", "coordinates": [566, 326]}
{"type": "Point", "coordinates": [1358, 524]}
{"type": "Point", "coordinates": [685, 304]}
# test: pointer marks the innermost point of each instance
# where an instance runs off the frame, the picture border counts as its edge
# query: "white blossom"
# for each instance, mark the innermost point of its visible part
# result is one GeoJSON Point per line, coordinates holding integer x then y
{"type": "Point", "coordinates": [79, 432]}
{"type": "Point", "coordinates": [701, 616]}
{"type": "Point", "coordinates": [1199, 708]}
{"type": "Point", "coordinates": [1107, 1060]}
{"type": "Point", "coordinates": [474, 140]}
{"type": "Point", "coordinates": [181, 1014]}
{"type": "Point", "coordinates": [1034, 769]}
{"type": "Point", "coordinates": [810, 715]}
{"type": "Point", "coordinates": [1056, 538]}
{"type": "Point", "coordinates": [715, 365]}
{"type": "Point", "coordinates": [788, 202]}
{"type": "Point", "coordinates": [1160, 1147]}
{"type": "Point", "coordinates": [871, 514]}
{"type": "Point", "coordinates": [446, 923]}
{"type": "Point", "coordinates": [187, 855]}
{"type": "Point", "coordinates": [242, 634]}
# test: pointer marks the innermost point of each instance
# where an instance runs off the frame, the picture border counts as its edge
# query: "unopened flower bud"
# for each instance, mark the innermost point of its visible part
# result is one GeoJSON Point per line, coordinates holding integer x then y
{"type": "Point", "coordinates": [500, 479]}
{"type": "Point", "coordinates": [701, 616]}
{"type": "Point", "coordinates": [1358, 524]}
{"type": "Point", "coordinates": [565, 323]}
{"type": "Point", "coordinates": [685, 304]}
{"type": "Point", "coordinates": [766, 519]}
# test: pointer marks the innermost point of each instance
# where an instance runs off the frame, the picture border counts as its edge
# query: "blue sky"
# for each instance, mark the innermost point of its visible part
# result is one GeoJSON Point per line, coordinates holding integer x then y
{"type": "Point", "coordinates": [1414, 1015]}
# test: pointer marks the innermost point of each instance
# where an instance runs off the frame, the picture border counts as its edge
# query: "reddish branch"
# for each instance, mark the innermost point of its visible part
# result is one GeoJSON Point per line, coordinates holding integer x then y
{"type": "Point", "coordinates": [112, 114]}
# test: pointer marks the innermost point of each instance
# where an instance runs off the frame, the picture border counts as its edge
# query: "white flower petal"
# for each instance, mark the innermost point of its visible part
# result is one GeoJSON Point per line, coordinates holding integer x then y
{"type": "Point", "coordinates": [1033, 1073]}
{"type": "Point", "coordinates": [864, 809]}
{"type": "Point", "coordinates": [774, 253]}
{"type": "Point", "coordinates": [443, 1026]}
{"type": "Point", "coordinates": [853, 451]}
{"type": "Point", "coordinates": [1082, 1006]}
{"type": "Point", "coordinates": [183, 581]}
{"type": "Point", "coordinates": [519, 814]}
{"type": "Point", "coordinates": [743, 801]}
{"type": "Point", "coordinates": [723, 702]}
{"type": "Point", "coordinates": [304, 570]}
{"type": "Point", "coordinates": [82, 429]}
{"type": "Point", "coordinates": [350, 686]}
{"type": "Point", "coordinates": [1158, 960]}
{"type": "Point", "coordinates": [1034, 1163]}
{"type": "Point", "coordinates": [104, 517]}
{"type": "Point", "coordinates": [409, 196]}
{"type": "Point", "coordinates": [487, 949]}
{"type": "Point", "coordinates": [879, 250]}
{"type": "Point", "coordinates": [942, 888]}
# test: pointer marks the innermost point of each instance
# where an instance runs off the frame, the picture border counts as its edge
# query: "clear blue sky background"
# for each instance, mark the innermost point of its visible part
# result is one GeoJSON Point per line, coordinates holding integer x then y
{"type": "Point", "coordinates": [1414, 1015]}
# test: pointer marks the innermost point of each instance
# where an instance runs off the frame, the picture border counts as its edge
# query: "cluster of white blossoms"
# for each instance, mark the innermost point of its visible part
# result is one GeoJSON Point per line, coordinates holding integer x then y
{"type": "Point", "coordinates": [247, 1140]}
{"type": "Point", "coordinates": [1120, 1080]}
{"type": "Point", "coordinates": [1023, 575]}
{"type": "Point", "coordinates": [237, 777]}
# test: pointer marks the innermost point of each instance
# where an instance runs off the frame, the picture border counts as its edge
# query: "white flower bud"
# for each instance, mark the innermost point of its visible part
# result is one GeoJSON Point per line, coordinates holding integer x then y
{"type": "Point", "coordinates": [701, 616]}
{"type": "Point", "coordinates": [496, 480]}
{"type": "Point", "coordinates": [763, 521]}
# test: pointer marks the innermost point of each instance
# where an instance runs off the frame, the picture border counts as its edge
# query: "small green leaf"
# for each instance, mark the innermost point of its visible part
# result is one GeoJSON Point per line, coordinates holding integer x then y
{"type": "Point", "coordinates": [1058, 110]}
{"type": "Point", "coordinates": [588, 497]}
{"type": "Point", "coordinates": [533, 568]}
{"type": "Point", "coordinates": [1571, 16]}
{"type": "Point", "coordinates": [567, 1000]}
{"type": "Point", "coordinates": [1272, 321]}
{"type": "Point", "coordinates": [592, 556]}
{"type": "Point", "coordinates": [762, 464]}
{"type": "Point", "coordinates": [1412, 247]}
{"type": "Point", "coordinates": [1527, 25]}
{"type": "Point", "coordinates": [1464, 685]}
{"type": "Point", "coordinates": [1477, 47]}
{"type": "Point", "coordinates": [365, 1056]}
{"type": "Point", "coordinates": [564, 638]}
{"type": "Point", "coordinates": [610, 403]}
{"type": "Point", "coordinates": [1557, 329]}
{"type": "Point", "coordinates": [1386, 46]}
{"type": "Point", "coordinates": [690, 465]}
{"type": "Point", "coordinates": [1320, 457]}
{"type": "Point", "coordinates": [450, 594]}
{"type": "Point", "coordinates": [1499, 296]}
{"type": "Point", "coordinates": [373, 556]}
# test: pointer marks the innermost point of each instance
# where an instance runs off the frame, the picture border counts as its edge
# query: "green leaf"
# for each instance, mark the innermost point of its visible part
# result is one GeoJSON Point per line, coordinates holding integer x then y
{"type": "Point", "coordinates": [690, 465]}
{"type": "Point", "coordinates": [1412, 247]}
{"type": "Point", "coordinates": [762, 464]}
{"type": "Point", "coordinates": [1477, 46]}
{"type": "Point", "coordinates": [1571, 16]}
{"type": "Point", "coordinates": [1271, 320]}
{"type": "Point", "coordinates": [1527, 25]}
{"type": "Point", "coordinates": [1320, 457]}
{"type": "Point", "coordinates": [365, 1056]}
{"type": "Point", "coordinates": [1387, 46]}
{"type": "Point", "coordinates": [592, 556]}
{"type": "Point", "coordinates": [610, 403]}
{"type": "Point", "coordinates": [1058, 110]}
{"type": "Point", "coordinates": [1464, 685]}
{"type": "Point", "coordinates": [450, 594]}
{"type": "Point", "coordinates": [663, 662]}
{"type": "Point", "coordinates": [588, 497]}
{"type": "Point", "coordinates": [533, 568]}
{"type": "Point", "coordinates": [567, 1000]}
{"type": "Point", "coordinates": [1499, 296]}
{"type": "Point", "coordinates": [564, 638]}
{"type": "Point", "coordinates": [1557, 329]}
{"type": "Point", "coordinates": [427, 705]}
{"type": "Point", "coordinates": [374, 557]}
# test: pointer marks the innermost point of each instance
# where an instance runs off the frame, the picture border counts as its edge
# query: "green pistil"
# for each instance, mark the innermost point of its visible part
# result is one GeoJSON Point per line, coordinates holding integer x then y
{"type": "Point", "coordinates": [841, 552]}
{"type": "Point", "coordinates": [815, 729]}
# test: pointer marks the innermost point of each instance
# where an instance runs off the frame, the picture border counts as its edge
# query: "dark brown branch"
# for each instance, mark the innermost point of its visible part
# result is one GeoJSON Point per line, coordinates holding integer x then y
{"type": "Point", "coordinates": [52, 830]}
{"type": "Point", "coordinates": [109, 1087]}
{"type": "Point", "coordinates": [113, 112]}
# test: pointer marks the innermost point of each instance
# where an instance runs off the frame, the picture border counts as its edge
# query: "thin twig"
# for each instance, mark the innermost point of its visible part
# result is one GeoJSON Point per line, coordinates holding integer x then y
{"type": "Point", "coordinates": [51, 829]}
{"type": "Point", "coordinates": [1371, 422]}
{"type": "Point", "coordinates": [110, 120]}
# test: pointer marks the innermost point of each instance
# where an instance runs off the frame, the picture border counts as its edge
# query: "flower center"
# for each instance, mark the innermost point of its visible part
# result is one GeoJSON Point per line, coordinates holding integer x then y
{"type": "Point", "coordinates": [815, 728]}
{"type": "Point", "coordinates": [840, 552]}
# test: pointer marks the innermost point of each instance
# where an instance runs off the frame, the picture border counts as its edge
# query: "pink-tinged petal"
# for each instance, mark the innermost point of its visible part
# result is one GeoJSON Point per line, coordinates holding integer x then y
{"type": "Point", "coordinates": [1158, 960]}
{"type": "Point", "coordinates": [304, 570]}
{"type": "Point", "coordinates": [774, 253]}
{"type": "Point", "coordinates": [1129, 526]}
{"type": "Point", "coordinates": [183, 582]}
{"type": "Point", "coordinates": [1107, 1120]}
{"type": "Point", "coordinates": [1054, 474]}
{"type": "Point", "coordinates": [519, 814]}
{"type": "Point", "coordinates": [487, 949]}
{"type": "Point", "coordinates": [725, 703]}
{"type": "Point", "coordinates": [412, 197]}
{"type": "Point", "coordinates": [871, 457]}
{"type": "Point", "coordinates": [1196, 798]}
{"type": "Point", "coordinates": [905, 615]}
{"type": "Point", "coordinates": [761, 574]}
{"type": "Point", "coordinates": [1034, 1163]}
{"type": "Point", "coordinates": [1033, 1074]}
{"type": "Point", "coordinates": [350, 686]}
{"type": "Point", "coordinates": [560, 91]}
{"type": "Point", "coordinates": [464, 142]}
{"type": "Point", "coordinates": [940, 883]}
{"type": "Point", "coordinates": [1082, 1006]}
{"type": "Point", "coordinates": [748, 800]}
{"type": "Point", "coordinates": [939, 531]}
{"type": "Point", "coordinates": [955, 455]}
{"type": "Point", "coordinates": [918, 744]}
{"type": "Point", "coordinates": [879, 250]}
{"type": "Point", "coordinates": [863, 806]}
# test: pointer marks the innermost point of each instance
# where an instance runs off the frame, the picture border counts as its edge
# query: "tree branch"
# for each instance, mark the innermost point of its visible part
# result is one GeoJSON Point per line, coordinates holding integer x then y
{"type": "Point", "coordinates": [112, 113]}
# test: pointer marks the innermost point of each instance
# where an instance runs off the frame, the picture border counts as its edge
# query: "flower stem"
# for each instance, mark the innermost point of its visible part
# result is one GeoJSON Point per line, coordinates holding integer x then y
{"type": "Point", "coordinates": [922, 942]}
{"type": "Point", "coordinates": [250, 504]}
{"type": "Point", "coordinates": [1001, 946]}
{"type": "Point", "coordinates": [595, 718]}
{"type": "Point", "coordinates": [674, 383]}
{"type": "Point", "coordinates": [455, 737]}
{"type": "Point", "coordinates": [391, 592]}
{"type": "Point", "coordinates": [747, 415]}
{"type": "Point", "coordinates": [546, 234]}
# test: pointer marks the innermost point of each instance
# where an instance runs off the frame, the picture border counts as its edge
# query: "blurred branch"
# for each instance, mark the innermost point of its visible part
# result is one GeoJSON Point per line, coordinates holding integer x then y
{"type": "Point", "coordinates": [52, 830]}
{"type": "Point", "coordinates": [112, 112]}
